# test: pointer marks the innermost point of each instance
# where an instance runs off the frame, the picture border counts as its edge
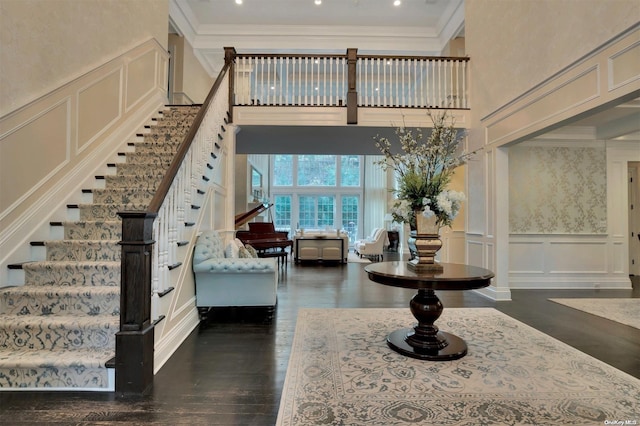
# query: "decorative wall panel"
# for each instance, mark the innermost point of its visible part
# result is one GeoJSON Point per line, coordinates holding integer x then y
{"type": "Point", "coordinates": [31, 152]}
{"type": "Point", "coordinates": [139, 83]}
{"type": "Point", "coordinates": [98, 107]}
{"type": "Point", "coordinates": [557, 190]}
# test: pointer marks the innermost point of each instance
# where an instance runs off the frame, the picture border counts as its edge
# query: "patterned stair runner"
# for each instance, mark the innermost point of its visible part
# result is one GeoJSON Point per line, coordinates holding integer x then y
{"type": "Point", "coordinates": [58, 329]}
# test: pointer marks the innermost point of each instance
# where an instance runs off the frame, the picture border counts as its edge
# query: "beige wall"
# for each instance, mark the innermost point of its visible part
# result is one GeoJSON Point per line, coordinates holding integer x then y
{"type": "Point", "coordinates": [39, 53]}
{"type": "Point", "coordinates": [197, 82]}
{"type": "Point", "coordinates": [516, 44]}
{"type": "Point", "coordinates": [535, 64]}
{"type": "Point", "coordinates": [189, 77]}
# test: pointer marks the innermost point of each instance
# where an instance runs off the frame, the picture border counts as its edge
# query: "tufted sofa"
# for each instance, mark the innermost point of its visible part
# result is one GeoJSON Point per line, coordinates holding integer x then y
{"type": "Point", "coordinates": [231, 281]}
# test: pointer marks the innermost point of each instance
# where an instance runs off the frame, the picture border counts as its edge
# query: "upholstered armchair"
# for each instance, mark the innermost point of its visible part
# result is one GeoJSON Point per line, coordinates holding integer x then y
{"type": "Point", "coordinates": [372, 246]}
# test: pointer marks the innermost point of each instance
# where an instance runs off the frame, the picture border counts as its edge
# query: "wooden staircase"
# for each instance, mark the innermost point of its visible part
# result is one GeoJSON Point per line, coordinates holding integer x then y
{"type": "Point", "coordinates": [57, 328]}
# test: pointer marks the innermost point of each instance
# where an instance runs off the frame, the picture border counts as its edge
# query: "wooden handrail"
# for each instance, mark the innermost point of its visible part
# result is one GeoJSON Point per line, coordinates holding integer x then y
{"type": "Point", "coordinates": [167, 180]}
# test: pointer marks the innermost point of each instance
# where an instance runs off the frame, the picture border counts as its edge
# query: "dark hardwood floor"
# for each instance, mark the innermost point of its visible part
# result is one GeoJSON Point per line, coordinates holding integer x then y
{"type": "Point", "coordinates": [231, 370]}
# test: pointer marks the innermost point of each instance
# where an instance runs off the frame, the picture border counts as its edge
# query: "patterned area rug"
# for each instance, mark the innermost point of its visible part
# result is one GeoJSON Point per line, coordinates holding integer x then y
{"type": "Point", "coordinates": [342, 372]}
{"type": "Point", "coordinates": [624, 311]}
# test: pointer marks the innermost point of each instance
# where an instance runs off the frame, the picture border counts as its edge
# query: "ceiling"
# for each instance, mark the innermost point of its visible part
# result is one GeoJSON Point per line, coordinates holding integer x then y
{"type": "Point", "coordinates": [416, 27]}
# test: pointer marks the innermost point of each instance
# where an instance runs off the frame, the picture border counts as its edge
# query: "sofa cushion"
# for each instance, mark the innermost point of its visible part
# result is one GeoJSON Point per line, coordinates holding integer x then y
{"type": "Point", "coordinates": [243, 253]}
{"type": "Point", "coordinates": [231, 251]}
{"type": "Point", "coordinates": [209, 246]}
{"type": "Point", "coordinates": [256, 266]}
{"type": "Point", "coordinates": [251, 250]}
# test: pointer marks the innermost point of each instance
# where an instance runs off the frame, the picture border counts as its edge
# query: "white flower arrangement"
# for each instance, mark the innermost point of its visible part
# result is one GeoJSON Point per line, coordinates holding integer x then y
{"type": "Point", "coordinates": [423, 169]}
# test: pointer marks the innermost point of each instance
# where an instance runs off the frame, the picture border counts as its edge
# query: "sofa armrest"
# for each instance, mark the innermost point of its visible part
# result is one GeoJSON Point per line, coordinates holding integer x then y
{"type": "Point", "coordinates": [239, 265]}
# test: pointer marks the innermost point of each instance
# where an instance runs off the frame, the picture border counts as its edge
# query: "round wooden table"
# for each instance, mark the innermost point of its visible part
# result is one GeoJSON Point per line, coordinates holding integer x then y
{"type": "Point", "coordinates": [425, 341]}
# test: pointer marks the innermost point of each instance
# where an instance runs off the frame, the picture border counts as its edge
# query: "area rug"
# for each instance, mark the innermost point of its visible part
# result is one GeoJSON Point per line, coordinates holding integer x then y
{"type": "Point", "coordinates": [341, 372]}
{"type": "Point", "coordinates": [624, 311]}
{"type": "Point", "coordinates": [354, 258]}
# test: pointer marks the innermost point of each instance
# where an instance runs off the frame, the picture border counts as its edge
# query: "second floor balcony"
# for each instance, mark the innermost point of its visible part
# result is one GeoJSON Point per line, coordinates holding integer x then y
{"type": "Point", "coordinates": [349, 82]}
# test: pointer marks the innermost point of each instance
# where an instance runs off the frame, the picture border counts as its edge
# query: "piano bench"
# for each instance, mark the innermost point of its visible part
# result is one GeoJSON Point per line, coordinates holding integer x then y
{"type": "Point", "coordinates": [280, 255]}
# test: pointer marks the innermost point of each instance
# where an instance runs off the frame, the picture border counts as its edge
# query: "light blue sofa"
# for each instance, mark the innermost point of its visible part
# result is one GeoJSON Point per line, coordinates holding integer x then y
{"type": "Point", "coordinates": [228, 282]}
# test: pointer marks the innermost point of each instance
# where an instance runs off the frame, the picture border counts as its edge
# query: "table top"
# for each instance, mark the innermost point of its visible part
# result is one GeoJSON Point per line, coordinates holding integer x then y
{"type": "Point", "coordinates": [454, 276]}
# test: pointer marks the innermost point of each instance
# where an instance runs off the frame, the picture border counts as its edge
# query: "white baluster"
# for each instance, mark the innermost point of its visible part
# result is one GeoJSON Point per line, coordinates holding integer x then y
{"type": "Point", "coordinates": [286, 81]}
{"type": "Point", "coordinates": [464, 84]}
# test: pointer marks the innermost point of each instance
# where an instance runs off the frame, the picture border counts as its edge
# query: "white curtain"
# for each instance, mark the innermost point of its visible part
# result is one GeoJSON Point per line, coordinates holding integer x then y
{"type": "Point", "coordinates": [375, 194]}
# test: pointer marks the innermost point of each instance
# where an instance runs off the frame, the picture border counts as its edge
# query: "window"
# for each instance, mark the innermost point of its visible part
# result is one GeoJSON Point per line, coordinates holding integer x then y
{"type": "Point", "coordinates": [283, 170]}
{"type": "Point", "coordinates": [316, 170]}
{"type": "Point", "coordinates": [317, 192]}
{"type": "Point", "coordinates": [282, 208]}
{"type": "Point", "coordinates": [350, 215]}
{"type": "Point", "coordinates": [350, 170]}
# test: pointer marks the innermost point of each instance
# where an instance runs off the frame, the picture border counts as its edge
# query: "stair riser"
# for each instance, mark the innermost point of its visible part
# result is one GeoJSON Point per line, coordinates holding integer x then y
{"type": "Point", "coordinates": [45, 274]}
{"type": "Point", "coordinates": [106, 211]}
{"type": "Point", "coordinates": [81, 251]}
{"type": "Point", "coordinates": [93, 230]}
{"type": "Point", "coordinates": [139, 170]}
{"type": "Point", "coordinates": [160, 158]}
{"type": "Point", "coordinates": [58, 303]}
{"type": "Point", "coordinates": [48, 336]}
{"type": "Point", "coordinates": [146, 148]}
{"type": "Point", "coordinates": [122, 196]}
{"type": "Point", "coordinates": [149, 182]}
{"type": "Point", "coordinates": [53, 377]}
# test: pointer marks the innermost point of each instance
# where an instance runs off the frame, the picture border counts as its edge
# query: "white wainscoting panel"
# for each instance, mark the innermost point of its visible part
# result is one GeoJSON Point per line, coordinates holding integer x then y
{"type": "Point", "coordinates": [564, 261]}
{"type": "Point", "coordinates": [562, 257]}
{"type": "Point", "coordinates": [526, 257]}
{"type": "Point", "coordinates": [475, 252]}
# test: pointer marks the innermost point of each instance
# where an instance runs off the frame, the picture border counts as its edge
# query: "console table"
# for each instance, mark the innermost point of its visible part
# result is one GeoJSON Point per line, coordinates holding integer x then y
{"type": "Point", "coordinates": [320, 247]}
{"type": "Point", "coordinates": [425, 341]}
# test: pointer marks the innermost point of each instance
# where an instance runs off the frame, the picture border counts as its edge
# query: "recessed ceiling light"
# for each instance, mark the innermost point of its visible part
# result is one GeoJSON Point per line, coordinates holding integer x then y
{"type": "Point", "coordinates": [238, 1]}
{"type": "Point", "coordinates": [397, 3]}
{"type": "Point", "coordinates": [318, 2]}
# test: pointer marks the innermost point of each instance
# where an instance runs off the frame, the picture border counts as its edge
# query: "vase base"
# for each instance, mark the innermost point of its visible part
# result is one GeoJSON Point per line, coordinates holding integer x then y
{"type": "Point", "coordinates": [416, 266]}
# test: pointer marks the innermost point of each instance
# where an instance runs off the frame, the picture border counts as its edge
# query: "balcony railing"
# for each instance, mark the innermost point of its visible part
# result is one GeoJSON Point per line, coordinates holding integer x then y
{"type": "Point", "coordinates": [344, 80]}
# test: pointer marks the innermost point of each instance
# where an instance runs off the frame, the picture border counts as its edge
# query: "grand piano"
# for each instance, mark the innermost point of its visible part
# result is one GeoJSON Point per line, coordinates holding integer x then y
{"type": "Point", "coordinates": [262, 236]}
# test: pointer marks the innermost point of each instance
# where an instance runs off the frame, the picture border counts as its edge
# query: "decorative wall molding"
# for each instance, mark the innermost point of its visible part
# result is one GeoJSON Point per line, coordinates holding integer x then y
{"type": "Point", "coordinates": [605, 75]}
{"type": "Point", "coordinates": [73, 145]}
{"type": "Point", "coordinates": [564, 261]}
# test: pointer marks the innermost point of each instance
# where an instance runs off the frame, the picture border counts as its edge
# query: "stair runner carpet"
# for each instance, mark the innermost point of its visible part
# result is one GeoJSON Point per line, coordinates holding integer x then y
{"type": "Point", "coordinates": [58, 329]}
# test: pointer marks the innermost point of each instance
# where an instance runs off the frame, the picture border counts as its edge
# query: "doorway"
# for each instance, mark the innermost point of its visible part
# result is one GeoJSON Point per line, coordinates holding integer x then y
{"type": "Point", "coordinates": [633, 170]}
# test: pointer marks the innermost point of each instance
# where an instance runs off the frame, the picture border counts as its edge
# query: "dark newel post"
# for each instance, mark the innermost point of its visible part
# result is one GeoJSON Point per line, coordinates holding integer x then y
{"type": "Point", "coordinates": [135, 341]}
{"type": "Point", "coordinates": [352, 94]}
{"type": "Point", "coordinates": [230, 59]}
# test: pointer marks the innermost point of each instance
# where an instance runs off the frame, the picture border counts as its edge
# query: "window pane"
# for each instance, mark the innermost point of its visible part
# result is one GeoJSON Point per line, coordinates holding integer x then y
{"type": "Point", "coordinates": [317, 170]}
{"type": "Point", "coordinates": [282, 206]}
{"type": "Point", "coordinates": [325, 211]}
{"type": "Point", "coordinates": [283, 170]}
{"type": "Point", "coordinates": [350, 170]}
{"type": "Point", "coordinates": [307, 212]}
{"type": "Point", "coordinates": [350, 216]}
